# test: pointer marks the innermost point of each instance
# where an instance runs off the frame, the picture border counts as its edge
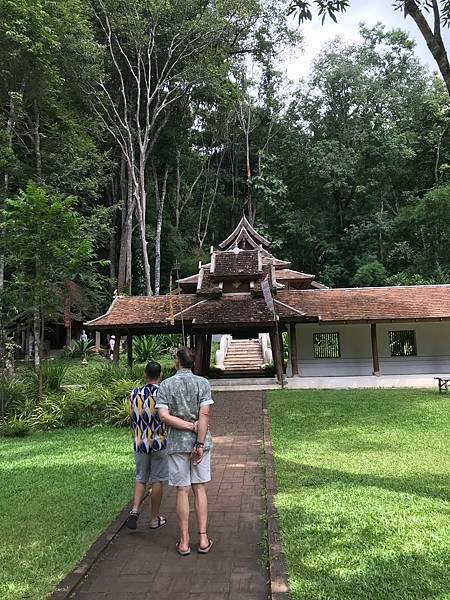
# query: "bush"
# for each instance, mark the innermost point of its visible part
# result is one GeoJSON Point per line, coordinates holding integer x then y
{"type": "Point", "coordinates": [80, 349]}
{"type": "Point", "coordinates": [53, 374]}
{"type": "Point", "coordinates": [48, 414]}
{"type": "Point", "coordinates": [15, 427]}
{"type": "Point", "coordinates": [153, 347]}
{"type": "Point", "coordinates": [19, 395]}
{"type": "Point", "coordinates": [109, 372]}
{"type": "Point", "coordinates": [82, 407]}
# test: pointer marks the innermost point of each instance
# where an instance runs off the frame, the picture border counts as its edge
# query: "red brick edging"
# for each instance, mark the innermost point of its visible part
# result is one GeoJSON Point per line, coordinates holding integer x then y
{"type": "Point", "coordinates": [279, 587]}
{"type": "Point", "coordinates": [67, 585]}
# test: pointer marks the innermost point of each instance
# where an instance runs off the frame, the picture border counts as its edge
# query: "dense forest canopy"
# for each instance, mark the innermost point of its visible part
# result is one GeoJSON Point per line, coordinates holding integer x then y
{"type": "Point", "coordinates": [157, 124]}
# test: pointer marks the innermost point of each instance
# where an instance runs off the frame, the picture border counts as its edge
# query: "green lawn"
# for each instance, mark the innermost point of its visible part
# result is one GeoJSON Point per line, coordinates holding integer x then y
{"type": "Point", "coordinates": [58, 490]}
{"type": "Point", "coordinates": [363, 492]}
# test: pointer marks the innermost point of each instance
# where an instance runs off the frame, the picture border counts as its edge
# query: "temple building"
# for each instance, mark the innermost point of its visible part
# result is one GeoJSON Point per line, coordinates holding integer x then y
{"type": "Point", "coordinates": [262, 310]}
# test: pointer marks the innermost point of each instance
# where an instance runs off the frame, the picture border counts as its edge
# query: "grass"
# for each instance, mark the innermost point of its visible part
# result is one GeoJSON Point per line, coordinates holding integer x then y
{"type": "Point", "coordinates": [363, 492]}
{"type": "Point", "coordinates": [58, 491]}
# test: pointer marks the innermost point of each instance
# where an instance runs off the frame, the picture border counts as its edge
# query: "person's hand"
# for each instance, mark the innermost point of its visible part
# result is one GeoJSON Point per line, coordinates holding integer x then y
{"type": "Point", "coordinates": [195, 428]}
{"type": "Point", "coordinates": [197, 455]}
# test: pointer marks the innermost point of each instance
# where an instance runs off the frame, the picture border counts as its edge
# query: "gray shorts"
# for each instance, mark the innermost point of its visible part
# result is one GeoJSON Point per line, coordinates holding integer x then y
{"type": "Point", "coordinates": [152, 467]}
{"type": "Point", "coordinates": [183, 472]}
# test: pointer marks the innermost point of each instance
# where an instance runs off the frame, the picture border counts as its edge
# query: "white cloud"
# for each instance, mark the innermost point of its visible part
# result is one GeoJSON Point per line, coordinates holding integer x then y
{"type": "Point", "coordinates": [298, 63]}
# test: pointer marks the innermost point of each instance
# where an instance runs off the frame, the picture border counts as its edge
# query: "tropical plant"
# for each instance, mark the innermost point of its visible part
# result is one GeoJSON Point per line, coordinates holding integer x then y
{"type": "Point", "coordinates": [53, 374]}
{"type": "Point", "coordinates": [48, 413]}
{"type": "Point", "coordinates": [80, 348]}
{"type": "Point", "coordinates": [152, 347]}
{"type": "Point", "coordinates": [15, 427]}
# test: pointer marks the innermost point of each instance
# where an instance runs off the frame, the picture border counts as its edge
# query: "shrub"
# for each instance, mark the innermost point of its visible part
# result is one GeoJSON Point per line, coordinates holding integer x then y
{"type": "Point", "coordinates": [53, 374]}
{"type": "Point", "coordinates": [109, 372]}
{"type": "Point", "coordinates": [18, 394]}
{"type": "Point", "coordinates": [82, 407]}
{"type": "Point", "coordinates": [152, 347]}
{"type": "Point", "coordinates": [115, 400]}
{"type": "Point", "coordinates": [48, 414]}
{"type": "Point", "coordinates": [80, 349]}
{"type": "Point", "coordinates": [15, 427]}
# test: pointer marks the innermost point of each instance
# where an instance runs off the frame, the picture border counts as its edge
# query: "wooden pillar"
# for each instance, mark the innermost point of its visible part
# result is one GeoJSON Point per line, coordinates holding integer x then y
{"type": "Point", "coordinates": [280, 335]}
{"type": "Point", "coordinates": [69, 332]}
{"type": "Point", "coordinates": [375, 358]}
{"type": "Point", "coordinates": [276, 352]}
{"type": "Point", "coordinates": [97, 341]}
{"type": "Point", "coordinates": [199, 352]}
{"type": "Point", "coordinates": [129, 350]}
{"type": "Point", "coordinates": [207, 361]}
{"type": "Point", "coordinates": [294, 357]}
{"type": "Point", "coordinates": [116, 352]}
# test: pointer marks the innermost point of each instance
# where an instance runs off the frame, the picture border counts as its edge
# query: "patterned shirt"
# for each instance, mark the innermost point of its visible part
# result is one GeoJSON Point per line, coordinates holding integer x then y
{"type": "Point", "coordinates": [149, 433]}
{"type": "Point", "coordinates": [184, 394]}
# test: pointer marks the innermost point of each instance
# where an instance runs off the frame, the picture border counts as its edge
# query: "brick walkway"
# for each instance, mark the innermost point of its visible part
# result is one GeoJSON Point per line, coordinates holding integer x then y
{"type": "Point", "coordinates": [144, 564]}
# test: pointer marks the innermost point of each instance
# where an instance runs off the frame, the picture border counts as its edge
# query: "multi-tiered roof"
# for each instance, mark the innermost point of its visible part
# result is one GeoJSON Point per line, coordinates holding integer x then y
{"type": "Point", "coordinates": [225, 295]}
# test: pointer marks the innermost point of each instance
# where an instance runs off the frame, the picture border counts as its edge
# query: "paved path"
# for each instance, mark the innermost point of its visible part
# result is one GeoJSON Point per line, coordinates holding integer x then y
{"type": "Point", "coordinates": [143, 564]}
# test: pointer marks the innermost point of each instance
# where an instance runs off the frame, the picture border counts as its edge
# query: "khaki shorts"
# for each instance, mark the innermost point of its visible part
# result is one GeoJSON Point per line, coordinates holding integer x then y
{"type": "Point", "coordinates": [151, 468]}
{"type": "Point", "coordinates": [183, 472]}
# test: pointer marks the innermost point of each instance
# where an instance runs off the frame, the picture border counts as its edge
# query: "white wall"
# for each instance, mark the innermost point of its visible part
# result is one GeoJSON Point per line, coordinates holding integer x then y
{"type": "Point", "coordinates": [432, 341]}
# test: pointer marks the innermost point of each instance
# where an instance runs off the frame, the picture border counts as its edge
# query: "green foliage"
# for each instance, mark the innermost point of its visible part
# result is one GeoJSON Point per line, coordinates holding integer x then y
{"type": "Point", "coordinates": [80, 348]}
{"type": "Point", "coordinates": [152, 347]}
{"type": "Point", "coordinates": [15, 427]}
{"type": "Point", "coordinates": [370, 273]}
{"type": "Point", "coordinates": [53, 373]}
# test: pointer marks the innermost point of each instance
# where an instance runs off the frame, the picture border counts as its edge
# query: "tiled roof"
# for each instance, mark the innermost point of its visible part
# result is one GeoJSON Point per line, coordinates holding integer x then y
{"type": "Point", "coordinates": [207, 285]}
{"type": "Point", "coordinates": [129, 311]}
{"type": "Point", "coordinates": [287, 274]}
{"type": "Point", "coordinates": [327, 305]}
{"type": "Point", "coordinates": [230, 310]}
{"type": "Point", "coordinates": [234, 263]}
{"type": "Point", "coordinates": [370, 304]}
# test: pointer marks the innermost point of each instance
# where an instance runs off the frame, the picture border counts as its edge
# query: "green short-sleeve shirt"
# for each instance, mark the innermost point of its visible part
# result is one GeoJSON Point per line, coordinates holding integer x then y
{"type": "Point", "coordinates": [183, 395]}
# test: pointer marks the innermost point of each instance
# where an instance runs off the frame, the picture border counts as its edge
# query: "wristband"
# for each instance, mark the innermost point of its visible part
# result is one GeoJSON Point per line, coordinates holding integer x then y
{"type": "Point", "coordinates": [199, 444]}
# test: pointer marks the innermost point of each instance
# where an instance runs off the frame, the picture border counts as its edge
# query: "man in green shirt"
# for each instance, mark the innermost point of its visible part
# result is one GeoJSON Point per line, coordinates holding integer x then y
{"type": "Point", "coordinates": [183, 405]}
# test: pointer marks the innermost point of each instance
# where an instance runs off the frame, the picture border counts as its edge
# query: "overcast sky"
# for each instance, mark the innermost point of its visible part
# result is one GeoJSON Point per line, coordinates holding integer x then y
{"type": "Point", "coordinates": [315, 35]}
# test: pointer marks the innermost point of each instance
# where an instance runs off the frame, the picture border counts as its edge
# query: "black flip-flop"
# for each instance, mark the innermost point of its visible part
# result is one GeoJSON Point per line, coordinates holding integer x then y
{"type": "Point", "coordinates": [161, 522]}
{"type": "Point", "coordinates": [201, 550]}
{"type": "Point", "coordinates": [132, 520]}
{"type": "Point", "coordinates": [183, 552]}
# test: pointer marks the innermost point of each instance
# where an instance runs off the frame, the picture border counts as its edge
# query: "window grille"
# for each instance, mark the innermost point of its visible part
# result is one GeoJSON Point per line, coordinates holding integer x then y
{"type": "Point", "coordinates": [326, 345]}
{"type": "Point", "coordinates": [403, 343]}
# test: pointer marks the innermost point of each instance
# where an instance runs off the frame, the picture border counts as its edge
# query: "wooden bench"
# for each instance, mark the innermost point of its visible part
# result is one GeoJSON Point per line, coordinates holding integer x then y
{"type": "Point", "coordinates": [443, 383]}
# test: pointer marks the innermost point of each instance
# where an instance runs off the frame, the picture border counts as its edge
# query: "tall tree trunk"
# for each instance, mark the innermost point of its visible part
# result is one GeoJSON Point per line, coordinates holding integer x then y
{"type": "Point", "coordinates": [141, 206]}
{"type": "Point", "coordinates": [432, 38]}
{"type": "Point", "coordinates": [124, 272]}
{"type": "Point", "coordinates": [160, 197]}
{"type": "Point", "coordinates": [37, 141]}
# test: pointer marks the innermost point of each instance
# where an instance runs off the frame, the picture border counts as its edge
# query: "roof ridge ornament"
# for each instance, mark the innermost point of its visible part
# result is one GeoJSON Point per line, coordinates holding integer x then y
{"type": "Point", "coordinates": [245, 230]}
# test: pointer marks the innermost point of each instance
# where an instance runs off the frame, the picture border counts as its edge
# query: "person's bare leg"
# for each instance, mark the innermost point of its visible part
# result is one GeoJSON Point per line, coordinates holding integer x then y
{"type": "Point", "coordinates": [156, 498]}
{"type": "Point", "coordinates": [139, 491]}
{"type": "Point", "coordinates": [183, 516]}
{"type": "Point", "coordinates": [201, 510]}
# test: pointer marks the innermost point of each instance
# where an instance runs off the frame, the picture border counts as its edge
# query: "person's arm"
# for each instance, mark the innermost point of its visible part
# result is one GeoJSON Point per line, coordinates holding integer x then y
{"type": "Point", "coordinates": [175, 422]}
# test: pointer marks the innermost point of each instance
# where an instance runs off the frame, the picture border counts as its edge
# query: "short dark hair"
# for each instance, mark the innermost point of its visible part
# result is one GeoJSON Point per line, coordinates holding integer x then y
{"type": "Point", "coordinates": [186, 357]}
{"type": "Point", "coordinates": [153, 370]}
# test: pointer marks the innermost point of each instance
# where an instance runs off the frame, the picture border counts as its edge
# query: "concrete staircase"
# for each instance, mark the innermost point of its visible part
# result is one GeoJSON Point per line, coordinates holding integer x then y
{"type": "Point", "coordinates": [244, 356]}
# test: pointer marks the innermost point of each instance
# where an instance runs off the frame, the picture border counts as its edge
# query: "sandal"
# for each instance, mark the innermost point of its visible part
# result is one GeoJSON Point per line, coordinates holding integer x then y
{"type": "Point", "coordinates": [183, 552]}
{"type": "Point", "coordinates": [161, 522]}
{"type": "Point", "coordinates": [132, 520]}
{"type": "Point", "coordinates": [205, 550]}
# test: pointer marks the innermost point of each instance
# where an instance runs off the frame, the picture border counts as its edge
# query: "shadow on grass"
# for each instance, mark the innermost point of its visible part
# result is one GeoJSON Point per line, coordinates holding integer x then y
{"type": "Point", "coordinates": [434, 485]}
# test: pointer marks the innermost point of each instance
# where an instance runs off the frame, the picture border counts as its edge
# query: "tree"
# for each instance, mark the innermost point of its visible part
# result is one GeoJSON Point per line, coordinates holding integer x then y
{"type": "Point", "coordinates": [47, 244]}
{"type": "Point", "coordinates": [418, 10]}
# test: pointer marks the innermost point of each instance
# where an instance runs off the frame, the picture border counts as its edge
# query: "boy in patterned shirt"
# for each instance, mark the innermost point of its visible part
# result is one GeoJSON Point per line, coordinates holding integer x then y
{"type": "Point", "coordinates": [150, 454]}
